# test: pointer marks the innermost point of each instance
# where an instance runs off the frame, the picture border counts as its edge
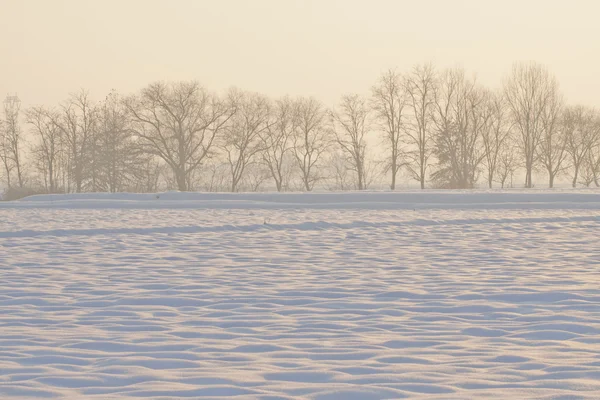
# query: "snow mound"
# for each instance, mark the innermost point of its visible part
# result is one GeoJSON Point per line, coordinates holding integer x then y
{"type": "Point", "coordinates": [428, 199]}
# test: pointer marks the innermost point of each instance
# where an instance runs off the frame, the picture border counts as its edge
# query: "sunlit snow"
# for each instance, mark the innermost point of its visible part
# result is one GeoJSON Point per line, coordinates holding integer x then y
{"type": "Point", "coordinates": [425, 295]}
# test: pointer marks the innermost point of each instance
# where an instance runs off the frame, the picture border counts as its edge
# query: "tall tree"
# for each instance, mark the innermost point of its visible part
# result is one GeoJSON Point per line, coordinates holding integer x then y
{"type": "Point", "coordinates": [77, 122]}
{"type": "Point", "coordinates": [11, 140]}
{"type": "Point", "coordinates": [460, 118]}
{"type": "Point", "coordinates": [420, 87]}
{"type": "Point", "coordinates": [582, 134]}
{"type": "Point", "coordinates": [552, 148]}
{"type": "Point", "coordinates": [495, 133]}
{"type": "Point", "coordinates": [350, 123]}
{"type": "Point", "coordinates": [47, 150]}
{"type": "Point", "coordinates": [179, 123]}
{"type": "Point", "coordinates": [311, 140]}
{"type": "Point", "coordinates": [120, 159]}
{"type": "Point", "coordinates": [276, 141]}
{"type": "Point", "coordinates": [389, 101]}
{"type": "Point", "coordinates": [530, 91]}
{"type": "Point", "coordinates": [242, 136]}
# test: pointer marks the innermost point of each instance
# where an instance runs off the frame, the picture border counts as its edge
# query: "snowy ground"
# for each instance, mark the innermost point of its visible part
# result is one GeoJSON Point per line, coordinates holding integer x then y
{"type": "Point", "coordinates": [356, 296]}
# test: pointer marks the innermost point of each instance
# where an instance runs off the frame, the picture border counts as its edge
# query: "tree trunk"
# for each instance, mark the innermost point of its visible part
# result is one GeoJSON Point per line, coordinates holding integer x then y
{"type": "Point", "coordinates": [181, 183]}
{"type": "Point", "coordinates": [528, 183]}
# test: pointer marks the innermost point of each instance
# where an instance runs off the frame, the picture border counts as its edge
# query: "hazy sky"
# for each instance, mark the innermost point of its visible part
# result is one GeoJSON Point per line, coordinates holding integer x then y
{"type": "Point", "coordinates": [313, 47]}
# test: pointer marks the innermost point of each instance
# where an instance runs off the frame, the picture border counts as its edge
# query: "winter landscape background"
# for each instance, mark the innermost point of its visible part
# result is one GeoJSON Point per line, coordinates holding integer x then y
{"type": "Point", "coordinates": [299, 199]}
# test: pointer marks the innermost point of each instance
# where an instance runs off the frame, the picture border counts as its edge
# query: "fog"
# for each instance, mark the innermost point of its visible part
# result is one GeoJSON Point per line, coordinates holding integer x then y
{"type": "Point", "coordinates": [321, 48]}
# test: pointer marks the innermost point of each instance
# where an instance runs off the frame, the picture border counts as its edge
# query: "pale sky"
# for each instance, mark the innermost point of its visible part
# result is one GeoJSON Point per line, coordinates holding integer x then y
{"type": "Point", "coordinates": [323, 48]}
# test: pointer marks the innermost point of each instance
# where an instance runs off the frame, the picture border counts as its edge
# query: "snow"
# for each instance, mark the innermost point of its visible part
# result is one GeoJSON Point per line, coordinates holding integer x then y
{"type": "Point", "coordinates": [435, 295]}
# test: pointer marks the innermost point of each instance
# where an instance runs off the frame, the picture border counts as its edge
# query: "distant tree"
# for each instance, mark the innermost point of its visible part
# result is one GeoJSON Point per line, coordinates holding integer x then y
{"type": "Point", "coordinates": [310, 141]}
{"type": "Point", "coordinates": [582, 135]}
{"type": "Point", "coordinates": [277, 141]}
{"type": "Point", "coordinates": [530, 91]}
{"type": "Point", "coordinates": [338, 172]}
{"type": "Point", "coordinates": [351, 125]}
{"type": "Point", "coordinates": [11, 141]}
{"type": "Point", "coordinates": [460, 118]}
{"type": "Point", "coordinates": [77, 122]}
{"type": "Point", "coordinates": [179, 123]}
{"type": "Point", "coordinates": [495, 133]}
{"type": "Point", "coordinates": [420, 87]}
{"type": "Point", "coordinates": [242, 135]}
{"type": "Point", "coordinates": [593, 164]}
{"type": "Point", "coordinates": [389, 102]}
{"type": "Point", "coordinates": [47, 150]}
{"type": "Point", "coordinates": [121, 161]}
{"type": "Point", "coordinates": [552, 147]}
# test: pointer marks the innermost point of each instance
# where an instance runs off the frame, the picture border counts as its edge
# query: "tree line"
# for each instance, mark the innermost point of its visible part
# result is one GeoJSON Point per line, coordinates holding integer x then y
{"type": "Point", "coordinates": [440, 128]}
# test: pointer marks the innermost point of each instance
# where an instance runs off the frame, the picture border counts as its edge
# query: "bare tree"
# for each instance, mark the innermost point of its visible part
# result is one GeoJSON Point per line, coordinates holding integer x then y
{"type": "Point", "coordinates": [593, 160]}
{"type": "Point", "coordinates": [215, 176]}
{"type": "Point", "coordinates": [495, 132]}
{"type": "Point", "coordinates": [552, 148]}
{"type": "Point", "coordinates": [582, 134]}
{"type": "Point", "coordinates": [338, 172]}
{"type": "Point", "coordinates": [255, 176]}
{"type": "Point", "coordinates": [460, 118]}
{"type": "Point", "coordinates": [47, 149]}
{"type": "Point", "coordinates": [350, 123]}
{"type": "Point", "coordinates": [389, 101]}
{"type": "Point", "coordinates": [11, 140]}
{"type": "Point", "coordinates": [420, 87]}
{"type": "Point", "coordinates": [530, 91]}
{"type": "Point", "coordinates": [121, 161]}
{"type": "Point", "coordinates": [242, 135]}
{"type": "Point", "coordinates": [148, 181]}
{"type": "Point", "coordinates": [507, 164]}
{"type": "Point", "coordinates": [77, 122]}
{"type": "Point", "coordinates": [277, 141]}
{"type": "Point", "coordinates": [179, 122]}
{"type": "Point", "coordinates": [593, 163]}
{"type": "Point", "coordinates": [310, 141]}
{"type": "Point", "coordinates": [4, 155]}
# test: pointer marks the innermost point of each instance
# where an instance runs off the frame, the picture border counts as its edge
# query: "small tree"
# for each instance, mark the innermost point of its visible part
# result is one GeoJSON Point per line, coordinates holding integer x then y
{"type": "Point", "coordinates": [507, 165]}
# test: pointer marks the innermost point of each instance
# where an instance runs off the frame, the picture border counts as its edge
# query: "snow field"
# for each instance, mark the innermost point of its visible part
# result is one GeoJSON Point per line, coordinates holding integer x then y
{"type": "Point", "coordinates": [118, 298]}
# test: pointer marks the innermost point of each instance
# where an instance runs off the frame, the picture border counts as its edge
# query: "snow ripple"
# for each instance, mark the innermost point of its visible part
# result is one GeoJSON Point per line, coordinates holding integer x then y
{"type": "Point", "coordinates": [317, 304]}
